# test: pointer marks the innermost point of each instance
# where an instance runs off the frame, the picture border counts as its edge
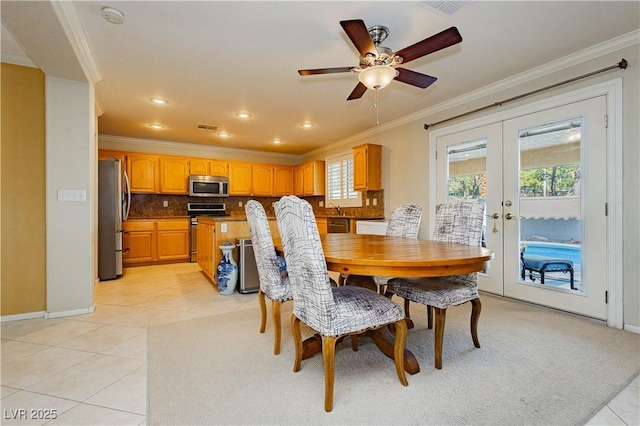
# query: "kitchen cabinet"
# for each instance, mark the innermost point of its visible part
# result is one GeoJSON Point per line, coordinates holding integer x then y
{"type": "Point", "coordinates": [172, 239]}
{"type": "Point", "coordinates": [218, 168]}
{"type": "Point", "coordinates": [173, 175]}
{"type": "Point", "coordinates": [213, 232]}
{"type": "Point", "coordinates": [367, 167]}
{"type": "Point", "coordinates": [143, 173]}
{"type": "Point", "coordinates": [262, 180]}
{"type": "Point", "coordinates": [199, 166]}
{"type": "Point", "coordinates": [104, 154]}
{"type": "Point", "coordinates": [155, 241]}
{"type": "Point", "coordinates": [138, 242]}
{"type": "Point", "coordinates": [298, 180]}
{"type": "Point", "coordinates": [283, 180]}
{"type": "Point", "coordinates": [322, 225]}
{"type": "Point", "coordinates": [205, 239]}
{"type": "Point", "coordinates": [203, 166]}
{"type": "Point", "coordinates": [240, 178]}
{"type": "Point", "coordinates": [313, 178]}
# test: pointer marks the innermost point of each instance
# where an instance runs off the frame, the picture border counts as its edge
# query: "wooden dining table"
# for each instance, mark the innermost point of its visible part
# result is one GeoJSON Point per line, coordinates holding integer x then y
{"type": "Point", "coordinates": [381, 255]}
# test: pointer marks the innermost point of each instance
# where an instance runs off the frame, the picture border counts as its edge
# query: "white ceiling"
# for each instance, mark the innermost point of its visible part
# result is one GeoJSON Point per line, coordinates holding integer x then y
{"type": "Point", "coordinates": [211, 59]}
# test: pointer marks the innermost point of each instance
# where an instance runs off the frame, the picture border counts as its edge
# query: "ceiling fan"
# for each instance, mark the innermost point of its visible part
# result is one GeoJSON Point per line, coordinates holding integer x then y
{"type": "Point", "coordinates": [377, 63]}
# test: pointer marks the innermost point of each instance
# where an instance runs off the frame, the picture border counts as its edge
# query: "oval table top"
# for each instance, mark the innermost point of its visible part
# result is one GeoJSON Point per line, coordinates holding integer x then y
{"type": "Point", "coordinates": [383, 255]}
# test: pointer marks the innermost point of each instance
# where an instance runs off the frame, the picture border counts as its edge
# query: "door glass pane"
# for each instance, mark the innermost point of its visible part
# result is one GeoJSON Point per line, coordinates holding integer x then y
{"type": "Point", "coordinates": [467, 173]}
{"type": "Point", "coordinates": [550, 205]}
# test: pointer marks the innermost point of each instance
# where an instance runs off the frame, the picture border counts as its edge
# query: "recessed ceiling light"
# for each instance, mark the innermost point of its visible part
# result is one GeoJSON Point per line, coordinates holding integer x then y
{"type": "Point", "coordinates": [156, 126]}
{"type": "Point", "coordinates": [276, 141]}
{"type": "Point", "coordinates": [243, 114]}
{"type": "Point", "coordinates": [158, 101]}
{"type": "Point", "coordinates": [223, 134]}
{"type": "Point", "coordinates": [112, 15]}
{"type": "Point", "coordinates": [306, 125]}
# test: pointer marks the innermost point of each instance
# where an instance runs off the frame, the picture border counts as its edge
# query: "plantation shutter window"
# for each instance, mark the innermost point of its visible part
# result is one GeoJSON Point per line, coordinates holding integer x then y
{"type": "Point", "coordinates": [339, 177]}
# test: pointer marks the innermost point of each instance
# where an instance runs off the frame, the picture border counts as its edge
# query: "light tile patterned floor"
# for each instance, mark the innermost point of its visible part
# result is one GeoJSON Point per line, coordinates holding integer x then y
{"type": "Point", "coordinates": [91, 369]}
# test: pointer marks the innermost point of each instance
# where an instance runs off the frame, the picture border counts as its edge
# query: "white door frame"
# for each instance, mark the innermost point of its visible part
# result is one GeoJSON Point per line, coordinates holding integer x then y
{"type": "Point", "coordinates": [613, 91]}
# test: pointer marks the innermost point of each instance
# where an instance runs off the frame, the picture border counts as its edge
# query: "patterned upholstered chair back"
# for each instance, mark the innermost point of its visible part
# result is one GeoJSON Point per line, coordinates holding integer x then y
{"type": "Point", "coordinates": [405, 221]}
{"type": "Point", "coordinates": [271, 282]}
{"type": "Point", "coordinates": [460, 222]}
{"type": "Point", "coordinates": [313, 301]}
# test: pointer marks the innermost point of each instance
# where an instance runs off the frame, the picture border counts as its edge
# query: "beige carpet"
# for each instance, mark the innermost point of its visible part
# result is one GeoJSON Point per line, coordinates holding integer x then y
{"type": "Point", "coordinates": [536, 366]}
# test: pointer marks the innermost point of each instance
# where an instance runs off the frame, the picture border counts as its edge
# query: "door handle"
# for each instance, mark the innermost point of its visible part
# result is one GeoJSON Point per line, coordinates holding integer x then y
{"type": "Point", "coordinates": [508, 216]}
{"type": "Point", "coordinates": [494, 216]}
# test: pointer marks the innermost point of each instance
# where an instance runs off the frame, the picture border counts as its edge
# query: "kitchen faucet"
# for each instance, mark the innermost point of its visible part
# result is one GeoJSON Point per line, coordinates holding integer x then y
{"type": "Point", "coordinates": [336, 207]}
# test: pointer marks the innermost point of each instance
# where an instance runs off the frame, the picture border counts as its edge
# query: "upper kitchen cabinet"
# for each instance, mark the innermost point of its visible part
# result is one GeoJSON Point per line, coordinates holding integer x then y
{"type": "Point", "coordinates": [218, 168]}
{"type": "Point", "coordinates": [202, 166]}
{"type": "Point", "coordinates": [367, 167]}
{"type": "Point", "coordinates": [173, 175]}
{"type": "Point", "coordinates": [143, 172]}
{"type": "Point", "coordinates": [298, 180]}
{"type": "Point", "coordinates": [313, 178]}
{"type": "Point", "coordinates": [283, 180]}
{"type": "Point", "coordinates": [104, 154]}
{"type": "Point", "coordinates": [199, 166]}
{"type": "Point", "coordinates": [240, 178]}
{"type": "Point", "coordinates": [262, 176]}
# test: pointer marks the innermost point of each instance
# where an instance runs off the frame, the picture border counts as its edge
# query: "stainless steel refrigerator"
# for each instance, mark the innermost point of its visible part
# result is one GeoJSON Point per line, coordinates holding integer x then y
{"type": "Point", "coordinates": [114, 201]}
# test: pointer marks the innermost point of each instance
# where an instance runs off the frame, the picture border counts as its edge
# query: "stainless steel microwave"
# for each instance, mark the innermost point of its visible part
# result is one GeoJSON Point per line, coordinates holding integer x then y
{"type": "Point", "coordinates": [208, 186]}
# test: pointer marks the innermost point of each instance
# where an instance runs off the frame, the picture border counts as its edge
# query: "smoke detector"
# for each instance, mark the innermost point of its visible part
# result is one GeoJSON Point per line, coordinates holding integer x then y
{"type": "Point", "coordinates": [112, 15]}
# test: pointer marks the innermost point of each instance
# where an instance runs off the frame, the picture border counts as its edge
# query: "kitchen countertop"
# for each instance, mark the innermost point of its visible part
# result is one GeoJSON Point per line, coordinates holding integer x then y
{"type": "Point", "coordinates": [243, 218]}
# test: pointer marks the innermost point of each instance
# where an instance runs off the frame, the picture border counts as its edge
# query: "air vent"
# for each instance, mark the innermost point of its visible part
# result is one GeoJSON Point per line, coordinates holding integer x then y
{"type": "Point", "coordinates": [446, 7]}
{"type": "Point", "coordinates": [207, 127]}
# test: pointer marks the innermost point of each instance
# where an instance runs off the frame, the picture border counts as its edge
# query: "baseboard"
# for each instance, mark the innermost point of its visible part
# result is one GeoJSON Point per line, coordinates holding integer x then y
{"type": "Point", "coordinates": [73, 312]}
{"type": "Point", "coordinates": [632, 328]}
{"type": "Point", "coordinates": [18, 317]}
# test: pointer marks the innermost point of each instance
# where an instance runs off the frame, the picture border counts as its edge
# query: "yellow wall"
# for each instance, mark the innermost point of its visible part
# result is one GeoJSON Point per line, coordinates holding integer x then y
{"type": "Point", "coordinates": [22, 197]}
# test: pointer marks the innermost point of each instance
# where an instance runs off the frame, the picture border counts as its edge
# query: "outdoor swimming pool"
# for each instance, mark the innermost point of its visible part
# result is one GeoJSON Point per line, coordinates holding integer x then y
{"type": "Point", "coordinates": [564, 251]}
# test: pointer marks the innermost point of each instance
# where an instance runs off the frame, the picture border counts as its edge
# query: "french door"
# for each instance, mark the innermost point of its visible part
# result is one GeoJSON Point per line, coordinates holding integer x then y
{"type": "Point", "coordinates": [543, 178]}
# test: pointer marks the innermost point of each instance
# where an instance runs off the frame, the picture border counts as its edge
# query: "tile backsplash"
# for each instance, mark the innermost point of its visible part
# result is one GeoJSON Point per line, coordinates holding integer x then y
{"type": "Point", "coordinates": [152, 205]}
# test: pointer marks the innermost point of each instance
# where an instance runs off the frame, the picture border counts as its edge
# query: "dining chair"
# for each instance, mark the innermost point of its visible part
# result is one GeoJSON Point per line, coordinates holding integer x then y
{"type": "Point", "coordinates": [404, 221]}
{"type": "Point", "coordinates": [456, 222]}
{"type": "Point", "coordinates": [274, 283]}
{"type": "Point", "coordinates": [333, 312]}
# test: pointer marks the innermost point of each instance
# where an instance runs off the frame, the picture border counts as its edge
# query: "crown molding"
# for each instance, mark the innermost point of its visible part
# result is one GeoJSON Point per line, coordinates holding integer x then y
{"type": "Point", "coordinates": [593, 52]}
{"type": "Point", "coordinates": [66, 13]}
{"type": "Point", "coordinates": [187, 149]}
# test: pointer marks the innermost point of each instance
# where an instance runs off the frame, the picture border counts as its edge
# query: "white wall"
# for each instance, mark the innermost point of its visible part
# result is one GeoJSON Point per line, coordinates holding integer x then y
{"type": "Point", "coordinates": [71, 159]}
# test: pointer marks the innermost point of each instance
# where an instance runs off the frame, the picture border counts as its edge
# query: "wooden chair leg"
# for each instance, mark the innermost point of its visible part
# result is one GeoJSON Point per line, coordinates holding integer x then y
{"type": "Point", "coordinates": [439, 336]}
{"type": "Point", "coordinates": [328, 358]}
{"type": "Point", "coordinates": [297, 342]}
{"type": "Point", "coordinates": [476, 307]}
{"type": "Point", "coordinates": [263, 311]}
{"type": "Point", "coordinates": [354, 342]}
{"type": "Point", "coordinates": [406, 308]}
{"type": "Point", "coordinates": [277, 326]}
{"type": "Point", "coordinates": [398, 350]}
{"type": "Point", "coordinates": [429, 317]}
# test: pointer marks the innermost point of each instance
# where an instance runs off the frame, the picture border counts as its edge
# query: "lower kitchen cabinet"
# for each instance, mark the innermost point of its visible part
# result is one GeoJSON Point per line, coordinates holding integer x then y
{"type": "Point", "coordinates": [213, 232]}
{"type": "Point", "coordinates": [155, 241]}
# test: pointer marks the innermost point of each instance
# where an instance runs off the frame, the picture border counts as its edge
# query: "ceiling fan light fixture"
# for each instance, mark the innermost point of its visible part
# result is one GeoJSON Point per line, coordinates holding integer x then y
{"type": "Point", "coordinates": [377, 77]}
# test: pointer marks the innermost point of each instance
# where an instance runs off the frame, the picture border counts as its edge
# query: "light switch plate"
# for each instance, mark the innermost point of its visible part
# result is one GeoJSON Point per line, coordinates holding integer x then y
{"type": "Point", "coordinates": [72, 195]}
{"type": "Point", "coordinates": [375, 201]}
{"type": "Point", "coordinates": [367, 202]}
{"type": "Point", "coordinates": [239, 203]}
{"type": "Point", "coordinates": [165, 203]}
{"type": "Point", "coordinates": [223, 227]}
{"type": "Point", "coordinates": [321, 203]}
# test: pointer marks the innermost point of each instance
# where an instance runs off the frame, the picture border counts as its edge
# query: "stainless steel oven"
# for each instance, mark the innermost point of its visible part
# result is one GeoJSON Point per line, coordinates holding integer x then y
{"type": "Point", "coordinates": [201, 209]}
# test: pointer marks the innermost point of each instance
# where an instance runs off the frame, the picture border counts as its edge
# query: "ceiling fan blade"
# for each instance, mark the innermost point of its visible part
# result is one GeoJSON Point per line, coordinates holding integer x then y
{"type": "Point", "coordinates": [414, 78]}
{"type": "Point", "coordinates": [357, 92]}
{"type": "Point", "coordinates": [359, 36]}
{"type": "Point", "coordinates": [325, 70]}
{"type": "Point", "coordinates": [446, 38]}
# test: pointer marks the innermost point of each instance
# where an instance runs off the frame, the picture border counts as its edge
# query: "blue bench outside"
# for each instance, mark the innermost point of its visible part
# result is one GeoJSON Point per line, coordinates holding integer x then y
{"type": "Point", "coordinates": [542, 265]}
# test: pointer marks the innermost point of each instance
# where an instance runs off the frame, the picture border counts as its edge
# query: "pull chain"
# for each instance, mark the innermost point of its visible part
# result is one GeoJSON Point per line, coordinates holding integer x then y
{"type": "Point", "coordinates": [375, 105]}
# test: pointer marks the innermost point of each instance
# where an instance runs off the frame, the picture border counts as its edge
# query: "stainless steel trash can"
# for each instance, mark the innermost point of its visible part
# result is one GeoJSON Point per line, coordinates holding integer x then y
{"type": "Point", "coordinates": [249, 282]}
